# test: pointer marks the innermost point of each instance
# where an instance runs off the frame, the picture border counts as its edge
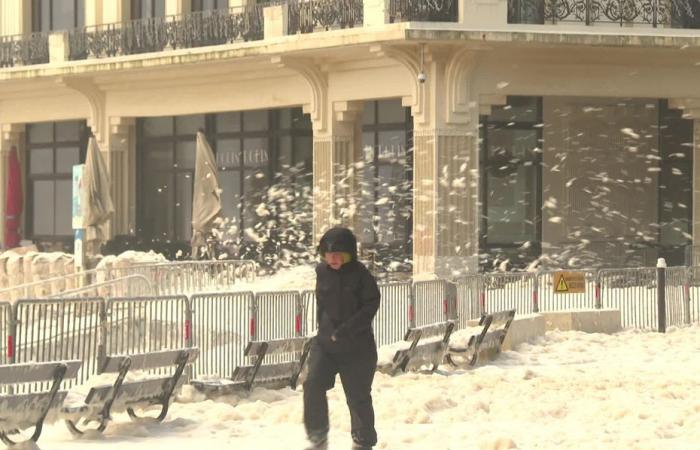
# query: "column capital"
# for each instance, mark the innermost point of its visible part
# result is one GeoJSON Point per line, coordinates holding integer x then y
{"type": "Point", "coordinates": [317, 80]}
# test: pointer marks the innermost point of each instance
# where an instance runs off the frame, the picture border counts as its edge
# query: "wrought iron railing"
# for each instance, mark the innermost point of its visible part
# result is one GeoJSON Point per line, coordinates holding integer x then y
{"type": "Point", "coordinates": [24, 49]}
{"type": "Point", "coordinates": [423, 11]}
{"type": "Point", "coordinates": [195, 29]}
{"type": "Point", "coordinates": [671, 13]}
{"type": "Point", "coordinates": [307, 16]}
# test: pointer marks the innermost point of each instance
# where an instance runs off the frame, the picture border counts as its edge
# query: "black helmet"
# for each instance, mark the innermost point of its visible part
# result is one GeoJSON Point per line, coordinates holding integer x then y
{"type": "Point", "coordinates": [338, 239]}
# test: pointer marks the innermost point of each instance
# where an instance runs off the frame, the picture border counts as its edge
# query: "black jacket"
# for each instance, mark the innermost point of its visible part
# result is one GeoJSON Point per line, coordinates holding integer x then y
{"type": "Point", "coordinates": [346, 299]}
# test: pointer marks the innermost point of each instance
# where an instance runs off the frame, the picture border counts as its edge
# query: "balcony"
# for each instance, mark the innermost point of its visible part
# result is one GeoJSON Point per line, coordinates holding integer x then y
{"type": "Point", "coordinates": [423, 10]}
{"type": "Point", "coordinates": [196, 29]}
{"type": "Point", "coordinates": [24, 49]}
{"type": "Point", "coordinates": [307, 16]}
{"type": "Point", "coordinates": [654, 13]}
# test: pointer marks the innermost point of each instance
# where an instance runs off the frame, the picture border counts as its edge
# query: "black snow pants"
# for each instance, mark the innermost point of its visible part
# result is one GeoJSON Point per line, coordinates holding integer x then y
{"type": "Point", "coordinates": [356, 371]}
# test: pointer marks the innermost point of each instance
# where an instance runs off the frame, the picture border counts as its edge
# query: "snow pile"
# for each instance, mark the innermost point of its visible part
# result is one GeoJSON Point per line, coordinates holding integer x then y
{"type": "Point", "coordinates": [566, 390]}
{"type": "Point", "coordinates": [296, 278]}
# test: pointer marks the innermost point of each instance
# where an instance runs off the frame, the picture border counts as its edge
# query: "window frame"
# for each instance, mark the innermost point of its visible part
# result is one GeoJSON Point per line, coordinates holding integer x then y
{"type": "Point", "coordinates": [37, 13]}
{"type": "Point", "coordinates": [54, 145]}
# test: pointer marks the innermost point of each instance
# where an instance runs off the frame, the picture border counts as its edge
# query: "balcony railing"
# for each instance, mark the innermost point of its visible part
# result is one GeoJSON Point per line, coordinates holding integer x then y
{"type": "Point", "coordinates": [307, 16]}
{"type": "Point", "coordinates": [24, 49]}
{"type": "Point", "coordinates": [196, 29]}
{"type": "Point", "coordinates": [655, 13]}
{"type": "Point", "coordinates": [423, 10]}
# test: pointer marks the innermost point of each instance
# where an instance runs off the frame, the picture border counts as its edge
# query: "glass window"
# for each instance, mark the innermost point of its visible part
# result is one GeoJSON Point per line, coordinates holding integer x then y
{"type": "Point", "coordinates": [255, 120]}
{"type": "Point", "coordinates": [43, 210]}
{"type": "Point", "coordinates": [228, 122]}
{"type": "Point", "coordinates": [40, 132]}
{"type": "Point", "coordinates": [53, 149]}
{"type": "Point", "coordinates": [64, 198]}
{"type": "Point", "coordinates": [391, 111]}
{"type": "Point", "coordinates": [68, 131]}
{"type": "Point", "coordinates": [206, 5]}
{"type": "Point", "coordinates": [183, 206]}
{"type": "Point", "coordinates": [255, 153]}
{"type": "Point", "coordinates": [142, 9]}
{"type": "Point", "coordinates": [231, 194]}
{"type": "Point", "coordinates": [189, 125]}
{"type": "Point", "coordinates": [368, 114]}
{"type": "Point", "coordinates": [159, 155]}
{"type": "Point", "coordinates": [53, 15]}
{"type": "Point", "coordinates": [40, 161]}
{"type": "Point", "coordinates": [66, 158]}
{"type": "Point", "coordinates": [185, 154]}
{"type": "Point", "coordinates": [158, 126]}
{"type": "Point", "coordinates": [228, 153]}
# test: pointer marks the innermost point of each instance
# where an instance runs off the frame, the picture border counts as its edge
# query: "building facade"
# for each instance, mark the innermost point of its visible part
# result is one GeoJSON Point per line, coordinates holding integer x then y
{"type": "Point", "coordinates": [446, 133]}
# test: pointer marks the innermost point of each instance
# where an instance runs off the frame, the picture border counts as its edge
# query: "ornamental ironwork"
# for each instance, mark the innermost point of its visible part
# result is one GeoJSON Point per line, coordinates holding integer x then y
{"type": "Point", "coordinates": [423, 10]}
{"type": "Point", "coordinates": [676, 13]}
{"type": "Point", "coordinates": [307, 16]}
{"type": "Point", "coordinates": [155, 34]}
{"type": "Point", "coordinates": [24, 49]}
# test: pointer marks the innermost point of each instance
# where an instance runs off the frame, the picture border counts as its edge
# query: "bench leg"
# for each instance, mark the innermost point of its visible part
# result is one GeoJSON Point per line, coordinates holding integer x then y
{"type": "Point", "coordinates": [168, 391]}
{"type": "Point", "coordinates": [57, 379]}
{"type": "Point", "coordinates": [76, 431]}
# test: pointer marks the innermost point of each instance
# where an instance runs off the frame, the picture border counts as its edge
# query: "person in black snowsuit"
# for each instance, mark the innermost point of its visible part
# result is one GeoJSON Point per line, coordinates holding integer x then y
{"type": "Point", "coordinates": [347, 299]}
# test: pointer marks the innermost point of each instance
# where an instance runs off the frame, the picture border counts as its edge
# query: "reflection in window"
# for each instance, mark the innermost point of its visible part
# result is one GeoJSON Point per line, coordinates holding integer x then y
{"type": "Point", "coordinates": [253, 149]}
{"type": "Point", "coordinates": [55, 15]}
{"type": "Point", "coordinates": [511, 173]}
{"type": "Point", "coordinates": [386, 183]}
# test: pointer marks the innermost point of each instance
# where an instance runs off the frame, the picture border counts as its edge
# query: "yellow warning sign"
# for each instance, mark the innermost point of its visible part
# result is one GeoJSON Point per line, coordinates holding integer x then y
{"type": "Point", "coordinates": [569, 283]}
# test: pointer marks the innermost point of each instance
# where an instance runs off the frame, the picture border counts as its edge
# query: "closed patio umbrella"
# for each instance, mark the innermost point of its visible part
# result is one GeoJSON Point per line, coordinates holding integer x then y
{"type": "Point", "coordinates": [13, 200]}
{"type": "Point", "coordinates": [97, 201]}
{"type": "Point", "coordinates": [206, 198]}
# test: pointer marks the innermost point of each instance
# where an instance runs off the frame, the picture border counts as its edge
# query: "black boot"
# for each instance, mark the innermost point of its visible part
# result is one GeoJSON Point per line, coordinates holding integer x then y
{"type": "Point", "coordinates": [356, 446]}
{"type": "Point", "coordinates": [318, 444]}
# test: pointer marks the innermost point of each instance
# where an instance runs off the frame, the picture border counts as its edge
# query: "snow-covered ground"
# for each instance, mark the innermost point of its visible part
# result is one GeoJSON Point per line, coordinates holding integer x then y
{"type": "Point", "coordinates": [568, 390]}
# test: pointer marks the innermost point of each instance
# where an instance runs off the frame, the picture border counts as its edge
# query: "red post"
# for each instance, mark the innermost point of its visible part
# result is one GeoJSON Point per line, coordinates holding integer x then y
{"type": "Point", "coordinates": [252, 328]}
{"type": "Point", "coordinates": [535, 301]}
{"type": "Point", "coordinates": [10, 347]}
{"type": "Point", "coordinates": [482, 301]}
{"type": "Point", "coordinates": [297, 324]}
{"type": "Point", "coordinates": [411, 314]}
{"type": "Point", "coordinates": [188, 330]}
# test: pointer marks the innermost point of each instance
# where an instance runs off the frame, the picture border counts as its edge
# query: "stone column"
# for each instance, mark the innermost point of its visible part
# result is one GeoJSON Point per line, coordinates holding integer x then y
{"type": "Point", "coordinates": [116, 147]}
{"type": "Point", "coordinates": [15, 17]}
{"type": "Point", "coordinates": [12, 135]}
{"type": "Point", "coordinates": [696, 179]}
{"type": "Point", "coordinates": [446, 164]}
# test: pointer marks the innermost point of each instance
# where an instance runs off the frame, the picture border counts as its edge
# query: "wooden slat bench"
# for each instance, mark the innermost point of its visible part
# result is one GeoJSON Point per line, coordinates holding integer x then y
{"type": "Point", "coordinates": [273, 375]}
{"type": "Point", "coordinates": [21, 411]}
{"type": "Point", "coordinates": [104, 399]}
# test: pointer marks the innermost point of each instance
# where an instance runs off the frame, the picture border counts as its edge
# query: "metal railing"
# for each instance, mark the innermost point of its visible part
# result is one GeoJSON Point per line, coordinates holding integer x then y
{"type": "Point", "coordinates": [589, 12]}
{"type": "Point", "coordinates": [57, 330]}
{"type": "Point", "coordinates": [307, 16]}
{"type": "Point", "coordinates": [395, 313]}
{"type": "Point", "coordinates": [24, 50]}
{"type": "Point", "coordinates": [196, 29]}
{"type": "Point", "coordinates": [509, 290]}
{"type": "Point", "coordinates": [6, 333]}
{"type": "Point", "coordinates": [128, 286]}
{"type": "Point", "coordinates": [423, 11]}
{"type": "Point", "coordinates": [165, 278]}
{"type": "Point", "coordinates": [221, 328]}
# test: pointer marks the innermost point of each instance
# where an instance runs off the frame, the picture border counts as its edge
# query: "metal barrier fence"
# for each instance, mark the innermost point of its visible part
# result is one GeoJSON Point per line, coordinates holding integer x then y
{"type": "Point", "coordinates": [468, 306]}
{"type": "Point", "coordinates": [129, 286]}
{"type": "Point", "coordinates": [693, 294]}
{"type": "Point", "coordinates": [430, 303]}
{"type": "Point", "coordinates": [394, 315]}
{"type": "Point", "coordinates": [187, 277]}
{"type": "Point", "coordinates": [549, 299]}
{"type": "Point", "coordinates": [676, 279]}
{"type": "Point", "coordinates": [147, 324]}
{"type": "Point", "coordinates": [55, 330]}
{"type": "Point", "coordinates": [633, 292]}
{"type": "Point", "coordinates": [277, 315]}
{"type": "Point", "coordinates": [221, 328]}
{"type": "Point", "coordinates": [502, 291]}
{"type": "Point", "coordinates": [6, 333]}
{"type": "Point", "coordinates": [308, 315]}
